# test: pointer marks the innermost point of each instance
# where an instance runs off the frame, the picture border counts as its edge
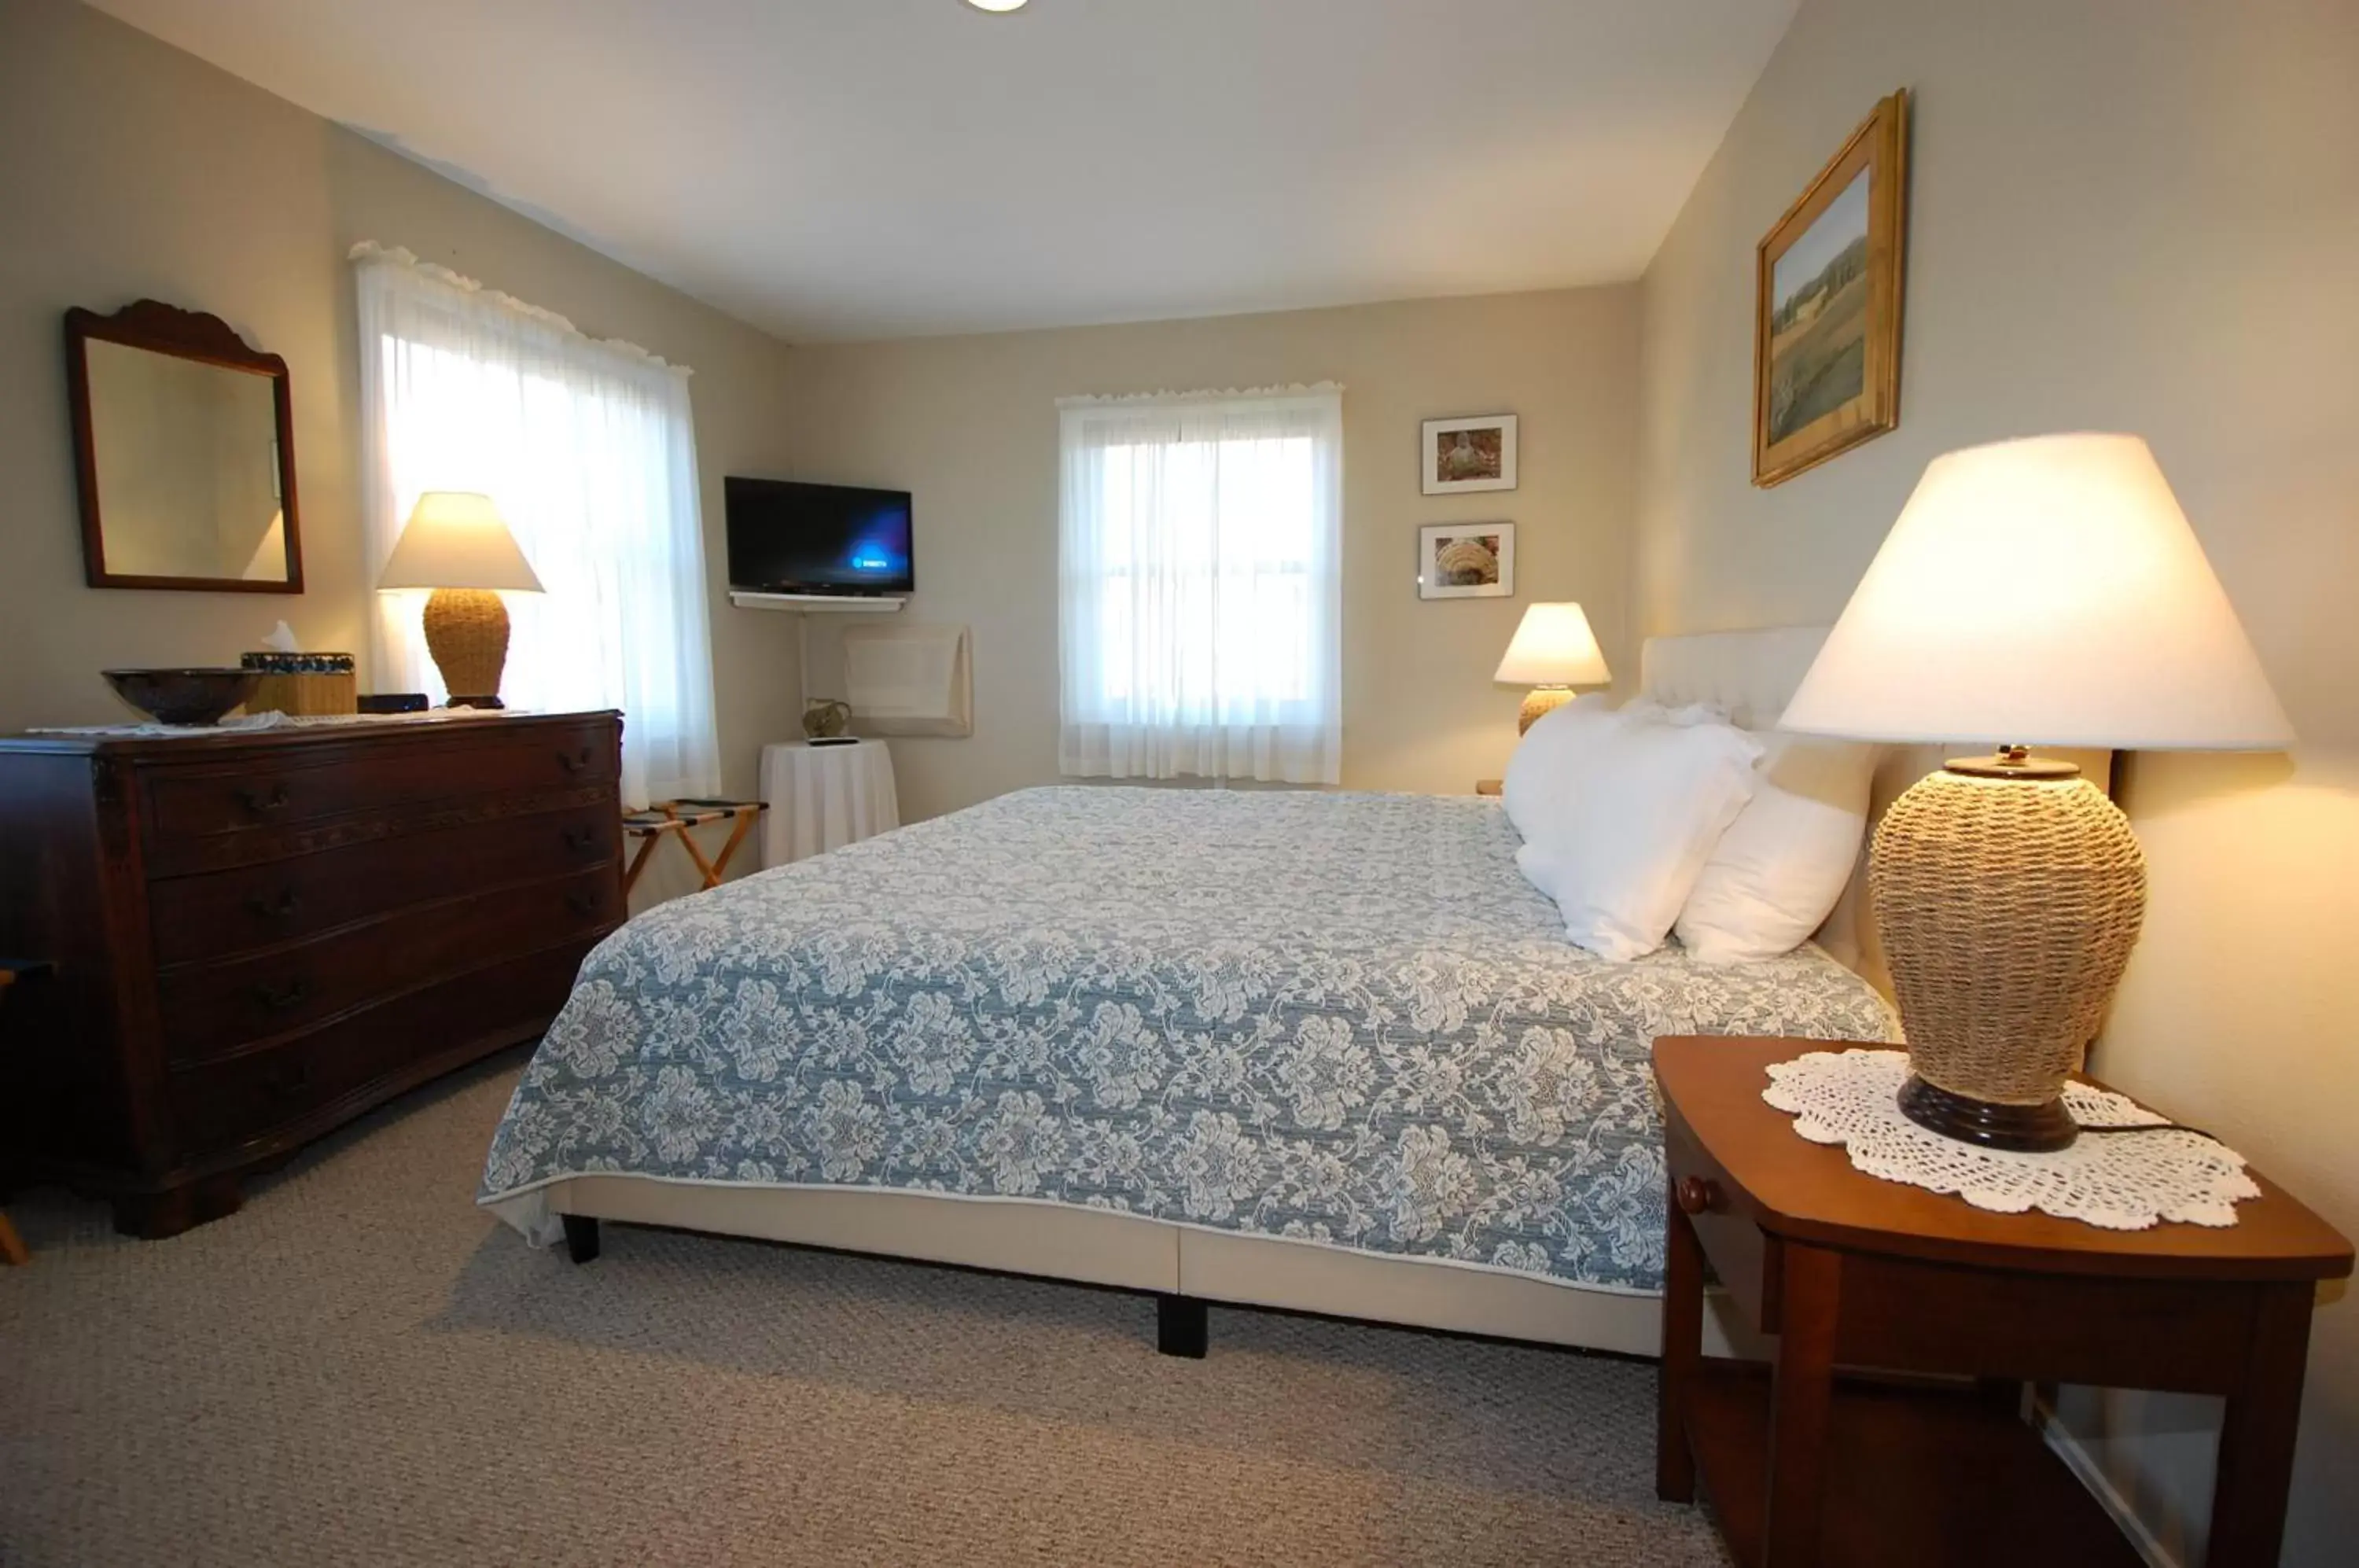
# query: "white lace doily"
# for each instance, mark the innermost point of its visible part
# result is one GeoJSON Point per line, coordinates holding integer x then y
{"type": "Point", "coordinates": [2126, 1182]}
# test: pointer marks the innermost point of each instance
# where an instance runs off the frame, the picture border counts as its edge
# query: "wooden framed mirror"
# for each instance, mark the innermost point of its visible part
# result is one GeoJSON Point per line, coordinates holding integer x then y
{"type": "Point", "coordinates": [184, 450]}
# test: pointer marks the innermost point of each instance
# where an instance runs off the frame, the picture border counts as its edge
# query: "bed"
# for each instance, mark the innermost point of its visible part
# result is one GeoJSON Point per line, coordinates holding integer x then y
{"type": "Point", "coordinates": [1321, 1051]}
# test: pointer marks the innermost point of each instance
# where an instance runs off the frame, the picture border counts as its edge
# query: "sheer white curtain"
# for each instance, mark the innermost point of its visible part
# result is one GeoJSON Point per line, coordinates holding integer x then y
{"type": "Point", "coordinates": [1200, 603]}
{"type": "Point", "coordinates": [589, 452]}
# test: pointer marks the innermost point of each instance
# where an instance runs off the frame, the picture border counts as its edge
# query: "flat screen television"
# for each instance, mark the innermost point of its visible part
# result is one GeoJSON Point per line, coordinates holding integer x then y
{"type": "Point", "coordinates": [789, 537]}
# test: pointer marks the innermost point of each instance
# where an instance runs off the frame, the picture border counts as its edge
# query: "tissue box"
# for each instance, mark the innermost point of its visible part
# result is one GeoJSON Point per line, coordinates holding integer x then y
{"type": "Point", "coordinates": [300, 683]}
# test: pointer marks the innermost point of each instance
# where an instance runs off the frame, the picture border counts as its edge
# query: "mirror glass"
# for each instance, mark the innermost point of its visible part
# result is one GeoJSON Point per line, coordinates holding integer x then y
{"type": "Point", "coordinates": [188, 463]}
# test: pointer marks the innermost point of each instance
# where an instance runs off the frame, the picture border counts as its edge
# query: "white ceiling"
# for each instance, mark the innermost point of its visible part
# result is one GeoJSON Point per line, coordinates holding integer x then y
{"type": "Point", "coordinates": [858, 169]}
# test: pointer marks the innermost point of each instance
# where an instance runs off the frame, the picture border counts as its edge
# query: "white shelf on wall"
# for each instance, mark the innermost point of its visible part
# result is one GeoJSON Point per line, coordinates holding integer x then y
{"type": "Point", "coordinates": [839, 603]}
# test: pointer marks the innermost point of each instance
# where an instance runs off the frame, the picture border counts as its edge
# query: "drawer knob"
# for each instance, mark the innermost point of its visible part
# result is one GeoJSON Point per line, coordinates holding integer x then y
{"type": "Point", "coordinates": [1697, 1194]}
{"type": "Point", "coordinates": [263, 805]}
{"type": "Point", "coordinates": [575, 761]}
{"type": "Point", "coordinates": [278, 998]}
{"type": "Point", "coordinates": [581, 839]}
{"type": "Point", "coordinates": [282, 908]}
{"type": "Point", "coordinates": [583, 903]}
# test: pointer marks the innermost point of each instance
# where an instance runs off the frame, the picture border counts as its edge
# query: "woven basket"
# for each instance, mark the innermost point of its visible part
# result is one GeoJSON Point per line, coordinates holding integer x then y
{"type": "Point", "coordinates": [301, 684]}
{"type": "Point", "coordinates": [467, 633]}
{"type": "Point", "coordinates": [304, 694]}
{"type": "Point", "coordinates": [2008, 907]}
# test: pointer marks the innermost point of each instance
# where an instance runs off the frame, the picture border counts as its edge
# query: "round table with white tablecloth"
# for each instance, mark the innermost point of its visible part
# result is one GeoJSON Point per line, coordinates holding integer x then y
{"type": "Point", "coordinates": [823, 797]}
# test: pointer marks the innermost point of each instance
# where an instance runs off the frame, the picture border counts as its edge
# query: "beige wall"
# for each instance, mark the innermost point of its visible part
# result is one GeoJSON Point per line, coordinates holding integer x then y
{"type": "Point", "coordinates": [2127, 214]}
{"type": "Point", "coordinates": [969, 425]}
{"type": "Point", "coordinates": [133, 170]}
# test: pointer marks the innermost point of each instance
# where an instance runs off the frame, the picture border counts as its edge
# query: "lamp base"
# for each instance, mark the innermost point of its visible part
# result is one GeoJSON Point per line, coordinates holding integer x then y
{"type": "Point", "coordinates": [2027, 1129]}
{"type": "Point", "coordinates": [467, 634]}
{"type": "Point", "coordinates": [2008, 892]}
{"type": "Point", "coordinates": [1540, 703]}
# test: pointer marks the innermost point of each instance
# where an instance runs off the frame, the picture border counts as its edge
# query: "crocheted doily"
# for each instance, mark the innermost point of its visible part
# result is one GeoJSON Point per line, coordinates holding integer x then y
{"type": "Point", "coordinates": [2121, 1181]}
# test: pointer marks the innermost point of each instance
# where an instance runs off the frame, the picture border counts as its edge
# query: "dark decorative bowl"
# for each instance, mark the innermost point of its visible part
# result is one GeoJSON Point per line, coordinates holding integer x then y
{"type": "Point", "coordinates": [184, 696]}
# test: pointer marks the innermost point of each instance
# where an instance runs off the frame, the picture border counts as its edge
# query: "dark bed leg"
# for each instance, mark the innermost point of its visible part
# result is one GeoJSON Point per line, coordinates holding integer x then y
{"type": "Point", "coordinates": [1181, 1327]}
{"type": "Point", "coordinates": [580, 1238]}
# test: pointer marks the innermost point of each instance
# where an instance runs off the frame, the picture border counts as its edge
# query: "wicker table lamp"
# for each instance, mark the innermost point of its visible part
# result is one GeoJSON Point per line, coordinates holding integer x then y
{"type": "Point", "coordinates": [456, 544]}
{"type": "Point", "coordinates": [2049, 592]}
{"type": "Point", "coordinates": [1552, 651]}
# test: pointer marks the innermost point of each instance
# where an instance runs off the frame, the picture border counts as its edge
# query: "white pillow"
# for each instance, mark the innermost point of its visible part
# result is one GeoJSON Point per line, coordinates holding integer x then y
{"type": "Point", "coordinates": [1781, 866]}
{"type": "Point", "coordinates": [1655, 794]}
{"type": "Point", "coordinates": [1544, 773]}
{"type": "Point", "coordinates": [1545, 766]}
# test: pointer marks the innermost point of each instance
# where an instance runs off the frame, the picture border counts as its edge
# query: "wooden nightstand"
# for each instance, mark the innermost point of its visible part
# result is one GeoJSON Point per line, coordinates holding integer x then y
{"type": "Point", "coordinates": [1808, 1469]}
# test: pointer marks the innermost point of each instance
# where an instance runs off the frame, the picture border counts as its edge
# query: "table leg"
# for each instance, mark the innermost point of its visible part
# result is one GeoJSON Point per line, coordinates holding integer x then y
{"type": "Point", "coordinates": [640, 861]}
{"type": "Point", "coordinates": [737, 836]}
{"type": "Point", "coordinates": [12, 1246]}
{"type": "Point", "coordinates": [710, 873]}
{"type": "Point", "coordinates": [1683, 1349]}
{"type": "Point", "coordinates": [2256, 1439]}
{"type": "Point", "coordinates": [1801, 1403]}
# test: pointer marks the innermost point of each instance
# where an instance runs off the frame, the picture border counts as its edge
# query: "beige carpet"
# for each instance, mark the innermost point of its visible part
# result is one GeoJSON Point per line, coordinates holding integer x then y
{"type": "Point", "coordinates": [361, 1369]}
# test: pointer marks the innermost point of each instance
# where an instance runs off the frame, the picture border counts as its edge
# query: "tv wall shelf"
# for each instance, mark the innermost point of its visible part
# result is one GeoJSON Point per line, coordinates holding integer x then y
{"type": "Point", "coordinates": [840, 603]}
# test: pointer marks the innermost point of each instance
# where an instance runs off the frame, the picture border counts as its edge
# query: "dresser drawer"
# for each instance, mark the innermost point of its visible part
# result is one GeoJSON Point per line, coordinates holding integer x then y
{"type": "Point", "coordinates": [211, 1009]}
{"type": "Point", "coordinates": [337, 1071]}
{"type": "Point", "coordinates": [199, 801]}
{"type": "Point", "coordinates": [224, 912]}
{"type": "Point", "coordinates": [1742, 1257]}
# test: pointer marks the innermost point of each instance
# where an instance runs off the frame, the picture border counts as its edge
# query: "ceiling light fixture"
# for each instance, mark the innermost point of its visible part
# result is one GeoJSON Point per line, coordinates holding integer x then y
{"type": "Point", "coordinates": [996, 4]}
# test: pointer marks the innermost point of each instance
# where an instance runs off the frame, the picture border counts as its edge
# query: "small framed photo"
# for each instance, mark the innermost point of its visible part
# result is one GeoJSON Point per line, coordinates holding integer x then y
{"type": "Point", "coordinates": [1466, 561]}
{"type": "Point", "coordinates": [1465, 455]}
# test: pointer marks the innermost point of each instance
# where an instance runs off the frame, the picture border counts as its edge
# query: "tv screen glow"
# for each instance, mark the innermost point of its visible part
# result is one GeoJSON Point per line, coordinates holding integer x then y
{"type": "Point", "coordinates": [791, 537]}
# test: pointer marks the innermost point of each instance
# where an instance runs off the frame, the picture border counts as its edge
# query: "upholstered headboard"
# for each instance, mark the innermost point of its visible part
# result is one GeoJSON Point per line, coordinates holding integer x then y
{"type": "Point", "coordinates": [1753, 675]}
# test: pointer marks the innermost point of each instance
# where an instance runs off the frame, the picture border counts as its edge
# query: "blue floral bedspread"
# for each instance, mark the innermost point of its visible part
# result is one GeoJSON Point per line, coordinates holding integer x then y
{"type": "Point", "coordinates": [1342, 1018]}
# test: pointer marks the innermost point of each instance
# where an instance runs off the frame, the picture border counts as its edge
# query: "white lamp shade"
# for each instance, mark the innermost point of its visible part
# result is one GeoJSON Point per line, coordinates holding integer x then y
{"type": "Point", "coordinates": [2042, 591]}
{"type": "Point", "coordinates": [455, 539]}
{"type": "Point", "coordinates": [1554, 646]}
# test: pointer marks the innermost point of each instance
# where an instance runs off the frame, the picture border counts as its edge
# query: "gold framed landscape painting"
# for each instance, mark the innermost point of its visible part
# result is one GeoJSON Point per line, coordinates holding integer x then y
{"type": "Point", "coordinates": [1826, 331]}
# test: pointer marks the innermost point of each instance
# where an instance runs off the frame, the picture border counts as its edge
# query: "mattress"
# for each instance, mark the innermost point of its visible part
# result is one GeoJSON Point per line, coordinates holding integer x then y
{"type": "Point", "coordinates": [1340, 1019]}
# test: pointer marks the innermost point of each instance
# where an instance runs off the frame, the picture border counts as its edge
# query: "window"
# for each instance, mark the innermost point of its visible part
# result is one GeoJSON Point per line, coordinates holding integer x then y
{"type": "Point", "coordinates": [589, 451]}
{"type": "Point", "coordinates": [1200, 617]}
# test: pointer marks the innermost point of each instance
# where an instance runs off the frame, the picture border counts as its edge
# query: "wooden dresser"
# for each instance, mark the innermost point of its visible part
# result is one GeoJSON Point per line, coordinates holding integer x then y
{"type": "Point", "coordinates": [259, 936]}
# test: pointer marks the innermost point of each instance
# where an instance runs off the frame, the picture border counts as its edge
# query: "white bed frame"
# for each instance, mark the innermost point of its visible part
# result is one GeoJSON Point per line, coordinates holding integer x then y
{"type": "Point", "coordinates": [1751, 673]}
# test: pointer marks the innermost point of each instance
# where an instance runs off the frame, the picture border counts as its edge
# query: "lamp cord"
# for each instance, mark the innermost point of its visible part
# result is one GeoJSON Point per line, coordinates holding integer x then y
{"type": "Point", "coordinates": [2156, 1127]}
